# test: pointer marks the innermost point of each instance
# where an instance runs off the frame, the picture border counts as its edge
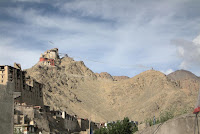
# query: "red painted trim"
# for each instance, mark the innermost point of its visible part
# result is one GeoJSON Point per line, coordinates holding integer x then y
{"type": "Point", "coordinates": [42, 59]}
{"type": "Point", "coordinates": [52, 61]}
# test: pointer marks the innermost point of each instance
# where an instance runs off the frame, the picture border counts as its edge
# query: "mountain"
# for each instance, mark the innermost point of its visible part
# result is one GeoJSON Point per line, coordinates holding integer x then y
{"type": "Point", "coordinates": [182, 75]}
{"type": "Point", "coordinates": [71, 86]}
{"type": "Point", "coordinates": [187, 81]}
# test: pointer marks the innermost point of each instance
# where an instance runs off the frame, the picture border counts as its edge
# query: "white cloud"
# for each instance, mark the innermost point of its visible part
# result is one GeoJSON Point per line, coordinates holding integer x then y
{"type": "Point", "coordinates": [180, 51]}
{"type": "Point", "coordinates": [117, 32]}
{"type": "Point", "coordinates": [189, 53]}
{"type": "Point", "coordinates": [116, 9]}
{"type": "Point", "coordinates": [168, 71]}
{"type": "Point", "coordinates": [9, 54]}
{"type": "Point", "coordinates": [184, 65]}
{"type": "Point", "coordinates": [197, 40]}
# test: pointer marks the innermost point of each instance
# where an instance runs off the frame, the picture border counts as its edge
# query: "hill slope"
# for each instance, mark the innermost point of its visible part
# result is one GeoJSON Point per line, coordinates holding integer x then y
{"type": "Point", "coordinates": [182, 75]}
{"type": "Point", "coordinates": [72, 87]}
{"type": "Point", "coordinates": [187, 81]}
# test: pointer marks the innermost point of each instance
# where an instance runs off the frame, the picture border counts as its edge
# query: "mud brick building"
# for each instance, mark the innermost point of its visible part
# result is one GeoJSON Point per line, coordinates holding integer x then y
{"type": "Point", "coordinates": [30, 90]}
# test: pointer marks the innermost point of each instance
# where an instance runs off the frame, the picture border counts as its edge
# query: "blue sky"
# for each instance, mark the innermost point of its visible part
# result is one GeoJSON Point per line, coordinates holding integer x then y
{"type": "Point", "coordinates": [121, 37]}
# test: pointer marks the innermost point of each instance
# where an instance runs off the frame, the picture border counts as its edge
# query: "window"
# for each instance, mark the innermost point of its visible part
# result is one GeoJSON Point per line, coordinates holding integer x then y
{"type": "Point", "coordinates": [1, 81]}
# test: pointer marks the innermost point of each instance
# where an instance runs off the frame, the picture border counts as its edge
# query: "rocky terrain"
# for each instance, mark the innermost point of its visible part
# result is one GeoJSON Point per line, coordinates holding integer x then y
{"type": "Point", "coordinates": [72, 87]}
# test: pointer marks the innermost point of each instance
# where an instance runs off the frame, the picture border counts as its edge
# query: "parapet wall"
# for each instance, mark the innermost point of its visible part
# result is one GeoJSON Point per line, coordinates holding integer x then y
{"type": "Point", "coordinates": [32, 93]}
{"type": "Point", "coordinates": [71, 125]}
{"type": "Point", "coordinates": [184, 124]}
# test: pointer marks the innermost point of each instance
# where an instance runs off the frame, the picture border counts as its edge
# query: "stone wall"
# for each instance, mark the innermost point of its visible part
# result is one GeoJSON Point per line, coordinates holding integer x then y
{"type": "Point", "coordinates": [32, 94]}
{"type": "Point", "coordinates": [7, 110]}
{"type": "Point", "coordinates": [84, 124]}
{"type": "Point", "coordinates": [71, 125]}
{"type": "Point", "coordinates": [26, 110]}
{"type": "Point", "coordinates": [51, 54]}
{"type": "Point", "coordinates": [184, 124]}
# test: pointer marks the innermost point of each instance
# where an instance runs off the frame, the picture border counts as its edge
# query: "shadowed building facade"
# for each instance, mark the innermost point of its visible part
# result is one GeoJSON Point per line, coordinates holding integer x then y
{"type": "Point", "coordinates": [15, 87]}
{"type": "Point", "coordinates": [31, 90]}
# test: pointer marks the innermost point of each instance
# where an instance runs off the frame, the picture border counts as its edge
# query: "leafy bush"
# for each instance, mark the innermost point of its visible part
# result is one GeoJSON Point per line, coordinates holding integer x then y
{"type": "Point", "coordinates": [166, 116]}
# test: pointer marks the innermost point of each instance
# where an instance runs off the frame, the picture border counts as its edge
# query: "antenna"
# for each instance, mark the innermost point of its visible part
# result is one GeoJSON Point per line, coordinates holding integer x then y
{"type": "Point", "coordinates": [51, 42]}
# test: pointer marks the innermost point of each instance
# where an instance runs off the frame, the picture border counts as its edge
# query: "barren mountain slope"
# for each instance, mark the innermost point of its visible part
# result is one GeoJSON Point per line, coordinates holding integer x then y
{"type": "Point", "coordinates": [182, 75]}
{"type": "Point", "coordinates": [72, 87]}
{"type": "Point", "coordinates": [148, 93]}
{"type": "Point", "coordinates": [187, 81]}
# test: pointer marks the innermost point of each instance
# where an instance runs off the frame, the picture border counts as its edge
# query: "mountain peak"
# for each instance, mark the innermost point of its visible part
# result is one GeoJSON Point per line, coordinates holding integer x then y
{"type": "Point", "coordinates": [182, 75]}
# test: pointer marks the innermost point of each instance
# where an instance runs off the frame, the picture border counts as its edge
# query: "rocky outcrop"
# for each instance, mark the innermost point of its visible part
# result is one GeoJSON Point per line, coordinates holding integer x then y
{"type": "Point", "coordinates": [104, 75]}
{"type": "Point", "coordinates": [119, 78]}
{"type": "Point", "coordinates": [107, 76]}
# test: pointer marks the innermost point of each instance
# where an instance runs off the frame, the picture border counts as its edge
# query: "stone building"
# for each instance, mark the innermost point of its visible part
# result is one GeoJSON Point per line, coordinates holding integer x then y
{"type": "Point", "coordinates": [31, 91]}
{"type": "Point", "coordinates": [24, 116]}
{"type": "Point", "coordinates": [70, 123]}
{"type": "Point", "coordinates": [49, 57]}
{"type": "Point", "coordinates": [14, 75]}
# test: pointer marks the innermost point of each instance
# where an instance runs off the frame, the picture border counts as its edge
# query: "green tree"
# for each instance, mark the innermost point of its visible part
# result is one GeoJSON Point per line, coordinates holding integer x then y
{"type": "Point", "coordinates": [126, 126]}
{"type": "Point", "coordinates": [119, 127]}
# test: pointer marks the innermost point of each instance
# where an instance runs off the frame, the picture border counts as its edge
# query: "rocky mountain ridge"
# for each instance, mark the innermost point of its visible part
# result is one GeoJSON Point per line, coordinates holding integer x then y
{"type": "Point", "coordinates": [71, 86]}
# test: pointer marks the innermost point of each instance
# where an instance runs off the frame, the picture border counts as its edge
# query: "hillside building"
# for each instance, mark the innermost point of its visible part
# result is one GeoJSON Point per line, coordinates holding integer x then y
{"type": "Point", "coordinates": [14, 75]}
{"type": "Point", "coordinates": [31, 91]}
{"type": "Point", "coordinates": [23, 108]}
{"type": "Point", "coordinates": [49, 57]}
{"type": "Point", "coordinates": [32, 94]}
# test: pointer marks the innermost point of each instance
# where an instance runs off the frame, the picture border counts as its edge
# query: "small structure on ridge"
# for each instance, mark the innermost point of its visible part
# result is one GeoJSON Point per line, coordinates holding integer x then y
{"type": "Point", "coordinates": [49, 57]}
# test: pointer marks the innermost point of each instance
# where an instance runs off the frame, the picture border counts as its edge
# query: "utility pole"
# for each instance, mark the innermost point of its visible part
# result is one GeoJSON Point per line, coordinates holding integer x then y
{"type": "Point", "coordinates": [196, 112]}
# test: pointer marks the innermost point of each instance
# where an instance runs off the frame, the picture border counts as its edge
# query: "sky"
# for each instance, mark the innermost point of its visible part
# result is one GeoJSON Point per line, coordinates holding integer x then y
{"type": "Point", "coordinates": [121, 37]}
